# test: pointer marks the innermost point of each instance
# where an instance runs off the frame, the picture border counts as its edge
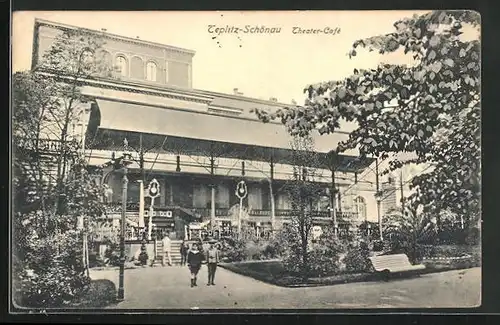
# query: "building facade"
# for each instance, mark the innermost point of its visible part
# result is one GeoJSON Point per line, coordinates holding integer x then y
{"type": "Point", "coordinates": [199, 144]}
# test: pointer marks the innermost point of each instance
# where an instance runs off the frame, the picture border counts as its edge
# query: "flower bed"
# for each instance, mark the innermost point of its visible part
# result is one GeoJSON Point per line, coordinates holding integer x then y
{"type": "Point", "coordinates": [273, 272]}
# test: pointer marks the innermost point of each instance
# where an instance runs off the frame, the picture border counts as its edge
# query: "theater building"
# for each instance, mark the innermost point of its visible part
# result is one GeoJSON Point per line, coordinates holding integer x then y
{"type": "Point", "coordinates": [198, 145]}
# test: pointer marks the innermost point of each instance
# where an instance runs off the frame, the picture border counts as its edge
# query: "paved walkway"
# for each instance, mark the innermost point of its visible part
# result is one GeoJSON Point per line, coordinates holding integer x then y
{"type": "Point", "coordinates": [168, 287]}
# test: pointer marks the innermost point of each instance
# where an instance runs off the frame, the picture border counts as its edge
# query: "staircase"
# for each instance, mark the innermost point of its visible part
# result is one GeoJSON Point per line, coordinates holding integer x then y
{"type": "Point", "coordinates": [175, 253]}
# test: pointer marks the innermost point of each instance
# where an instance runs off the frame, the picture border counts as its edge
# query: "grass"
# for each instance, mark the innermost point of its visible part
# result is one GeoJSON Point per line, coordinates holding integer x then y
{"type": "Point", "coordinates": [273, 272]}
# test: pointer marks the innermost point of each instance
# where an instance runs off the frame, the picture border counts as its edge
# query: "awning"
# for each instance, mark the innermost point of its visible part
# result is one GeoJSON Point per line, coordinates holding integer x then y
{"type": "Point", "coordinates": [195, 133]}
{"type": "Point", "coordinates": [115, 115]}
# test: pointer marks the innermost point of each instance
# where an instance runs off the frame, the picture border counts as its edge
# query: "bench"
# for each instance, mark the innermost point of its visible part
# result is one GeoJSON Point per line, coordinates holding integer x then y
{"type": "Point", "coordinates": [396, 263]}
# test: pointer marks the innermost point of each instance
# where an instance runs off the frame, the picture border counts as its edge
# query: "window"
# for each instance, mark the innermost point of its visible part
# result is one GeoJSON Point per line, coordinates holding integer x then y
{"type": "Point", "coordinates": [360, 205]}
{"type": "Point", "coordinates": [121, 63]}
{"type": "Point", "coordinates": [151, 71]}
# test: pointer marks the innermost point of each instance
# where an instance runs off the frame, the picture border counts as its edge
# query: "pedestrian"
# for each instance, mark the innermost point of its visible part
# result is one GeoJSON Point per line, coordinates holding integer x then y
{"type": "Point", "coordinates": [184, 252]}
{"type": "Point", "coordinates": [212, 261]}
{"type": "Point", "coordinates": [194, 260]}
{"type": "Point", "coordinates": [167, 248]}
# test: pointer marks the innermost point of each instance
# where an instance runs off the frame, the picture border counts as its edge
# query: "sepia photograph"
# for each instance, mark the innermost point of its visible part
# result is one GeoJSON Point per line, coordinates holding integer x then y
{"type": "Point", "coordinates": [233, 160]}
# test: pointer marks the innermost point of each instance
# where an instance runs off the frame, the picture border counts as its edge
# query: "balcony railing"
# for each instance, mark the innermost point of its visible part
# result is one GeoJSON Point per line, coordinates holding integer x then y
{"type": "Point", "coordinates": [45, 145]}
{"type": "Point", "coordinates": [132, 208]}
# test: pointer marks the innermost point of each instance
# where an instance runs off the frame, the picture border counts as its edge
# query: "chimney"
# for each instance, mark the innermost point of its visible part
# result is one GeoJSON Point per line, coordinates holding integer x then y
{"type": "Point", "coordinates": [103, 29]}
{"type": "Point", "coordinates": [273, 99]}
{"type": "Point", "coordinates": [137, 37]}
{"type": "Point", "coordinates": [294, 102]}
{"type": "Point", "coordinates": [236, 92]}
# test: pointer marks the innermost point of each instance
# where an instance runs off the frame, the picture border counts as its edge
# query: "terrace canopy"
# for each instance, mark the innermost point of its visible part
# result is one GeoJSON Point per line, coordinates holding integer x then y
{"type": "Point", "coordinates": [200, 133]}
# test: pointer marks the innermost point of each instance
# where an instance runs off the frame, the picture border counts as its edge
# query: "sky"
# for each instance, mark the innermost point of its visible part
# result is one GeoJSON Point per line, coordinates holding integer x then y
{"type": "Point", "coordinates": [260, 65]}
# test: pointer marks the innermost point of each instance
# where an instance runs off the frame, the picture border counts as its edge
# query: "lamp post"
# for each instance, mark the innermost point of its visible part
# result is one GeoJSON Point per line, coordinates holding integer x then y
{"type": "Point", "coordinates": [123, 162]}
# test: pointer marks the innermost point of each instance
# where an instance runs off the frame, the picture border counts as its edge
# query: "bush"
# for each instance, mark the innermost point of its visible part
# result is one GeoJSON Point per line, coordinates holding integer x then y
{"type": "Point", "coordinates": [324, 261]}
{"type": "Point", "coordinates": [49, 272]}
{"type": "Point", "coordinates": [112, 253]}
{"type": "Point", "coordinates": [356, 259]}
{"type": "Point", "coordinates": [273, 249]}
{"type": "Point", "coordinates": [323, 258]}
{"type": "Point", "coordinates": [95, 260]}
{"type": "Point", "coordinates": [233, 250]}
{"type": "Point", "coordinates": [253, 251]}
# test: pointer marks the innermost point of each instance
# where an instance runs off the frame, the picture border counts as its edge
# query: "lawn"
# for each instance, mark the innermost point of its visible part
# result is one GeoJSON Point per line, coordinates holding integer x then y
{"type": "Point", "coordinates": [273, 271]}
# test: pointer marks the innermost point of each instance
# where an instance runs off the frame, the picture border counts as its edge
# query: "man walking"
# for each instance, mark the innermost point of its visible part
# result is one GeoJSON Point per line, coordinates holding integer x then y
{"type": "Point", "coordinates": [167, 247]}
{"type": "Point", "coordinates": [212, 260]}
{"type": "Point", "coordinates": [184, 249]}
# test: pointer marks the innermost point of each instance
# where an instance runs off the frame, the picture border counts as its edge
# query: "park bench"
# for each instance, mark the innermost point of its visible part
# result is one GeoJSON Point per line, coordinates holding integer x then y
{"type": "Point", "coordinates": [396, 263]}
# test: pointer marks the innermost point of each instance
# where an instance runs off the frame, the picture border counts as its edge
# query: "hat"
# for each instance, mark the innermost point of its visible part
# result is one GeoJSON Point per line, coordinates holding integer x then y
{"type": "Point", "coordinates": [212, 241]}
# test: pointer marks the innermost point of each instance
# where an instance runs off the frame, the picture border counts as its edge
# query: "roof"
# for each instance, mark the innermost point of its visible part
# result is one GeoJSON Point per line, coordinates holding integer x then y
{"type": "Point", "coordinates": [61, 26]}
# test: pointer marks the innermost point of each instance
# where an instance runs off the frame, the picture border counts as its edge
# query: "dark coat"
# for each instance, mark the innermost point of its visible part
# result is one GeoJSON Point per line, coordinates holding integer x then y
{"type": "Point", "coordinates": [195, 260]}
{"type": "Point", "coordinates": [184, 249]}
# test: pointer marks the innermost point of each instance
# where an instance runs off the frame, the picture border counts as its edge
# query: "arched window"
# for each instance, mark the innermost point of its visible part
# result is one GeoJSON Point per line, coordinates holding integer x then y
{"type": "Point", "coordinates": [360, 206]}
{"type": "Point", "coordinates": [122, 65]}
{"type": "Point", "coordinates": [151, 71]}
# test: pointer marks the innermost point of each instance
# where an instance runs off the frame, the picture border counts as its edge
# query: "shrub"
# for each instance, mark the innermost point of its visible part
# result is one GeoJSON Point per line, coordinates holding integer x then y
{"type": "Point", "coordinates": [356, 259]}
{"type": "Point", "coordinates": [49, 272]}
{"type": "Point", "coordinates": [253, 251]}
{"type": "Point", "coordinates": [323, 258]}
{"type": "Point", "coordinates": [95, 260]}
{"type": "Point", "coordinates": [233, 250]}
{"type": "Point", "coordinates": [112, 253]}
{"type": "Point", "coordinates": [273, 249]}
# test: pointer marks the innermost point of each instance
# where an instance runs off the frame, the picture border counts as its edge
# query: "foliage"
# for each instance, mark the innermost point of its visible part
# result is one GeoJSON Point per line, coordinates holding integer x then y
{"type": "Point", "coordinates": [233, 250]}
{"type": "Point", "coordinates": [356, 259]}
{"type": "Point", "coordinates": [100, 293]}
{"type": "Point", "coordinates": [95, 260]}
{"type": "Point", "coordinates": [53, 188]}
{"type": "Point", "coordinates": [303, 192]}
{"type": "Point", "coordinates": [112, 253]}
{"type": "Point", "coordinates": [48, 270]}
{"type": "Point", "coordinates": [323, 258]}
{"type": "Point", "coordinates": [409, 233]}
{"type": "Point", "coordinates": [430, 108]}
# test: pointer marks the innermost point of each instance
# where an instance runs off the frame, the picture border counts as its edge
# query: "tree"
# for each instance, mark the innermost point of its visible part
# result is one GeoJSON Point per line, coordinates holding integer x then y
{"type": "Point", "coordinates": [75, 56]}
{"type": "Point", "coordinates": [303, 192]}
{"type": "Point", "coordinates": [53, 188]}
{"type": "Point", "coordinates": [430, 109]}
{"type": "Point", "coordinates": [410, 231]}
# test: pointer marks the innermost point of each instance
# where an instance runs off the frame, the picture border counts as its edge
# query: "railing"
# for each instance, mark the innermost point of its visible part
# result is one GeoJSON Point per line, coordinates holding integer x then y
{"type": "Point", "coordinates": [219, 212]}
{"type": "Point", "coordinates": [132, 209]}
{"type": "Point", "coordinates": [45, 145]}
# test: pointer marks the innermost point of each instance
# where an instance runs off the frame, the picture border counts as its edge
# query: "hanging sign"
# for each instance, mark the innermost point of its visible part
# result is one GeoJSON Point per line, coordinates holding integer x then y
{"type": "Point", "coordinates": [154, 189]}
{"type": "Point", "coordinates": [241, 190]}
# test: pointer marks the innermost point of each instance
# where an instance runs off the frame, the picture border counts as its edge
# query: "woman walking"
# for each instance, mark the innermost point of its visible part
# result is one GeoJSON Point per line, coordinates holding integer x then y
{"type": "Point", "coordinates": [194, 260]}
